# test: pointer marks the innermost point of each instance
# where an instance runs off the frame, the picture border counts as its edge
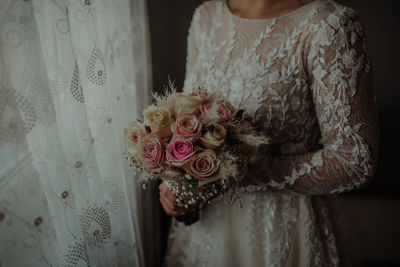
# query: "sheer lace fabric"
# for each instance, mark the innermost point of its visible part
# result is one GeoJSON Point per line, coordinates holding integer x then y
{"type": "Point", "coordinates": [71, 75]}
{"type": "Point", "coordinates": [305, 80]}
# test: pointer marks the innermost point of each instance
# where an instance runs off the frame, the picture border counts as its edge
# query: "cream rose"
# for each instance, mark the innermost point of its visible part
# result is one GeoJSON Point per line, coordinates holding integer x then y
{"type": "Point", "coordinates": [208, 113]}
{"type": "Point", "coordinates": [159, 120]}
{"type": "Point", "coordinates": [204, 166]}
{"type": "Point", "coordinates": [189, 127]}
{"type": "Point", "coordinates": [214, 138]}
{"type": "Point", "coordinates": [181, 104]}
{"type": "Point", "coordinates": [133, 133]}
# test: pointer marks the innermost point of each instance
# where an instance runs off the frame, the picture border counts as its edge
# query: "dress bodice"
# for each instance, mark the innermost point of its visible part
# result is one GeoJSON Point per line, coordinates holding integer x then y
{"type": "Point", "coordinates": [258, 65]}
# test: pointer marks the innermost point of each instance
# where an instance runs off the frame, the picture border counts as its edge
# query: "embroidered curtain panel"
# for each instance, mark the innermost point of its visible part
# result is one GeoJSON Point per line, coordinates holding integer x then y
{"type": "Point", "coordinates": [72, 75]}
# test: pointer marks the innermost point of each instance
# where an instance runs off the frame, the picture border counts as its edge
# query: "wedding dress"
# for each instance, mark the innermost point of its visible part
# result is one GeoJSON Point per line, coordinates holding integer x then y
{"type": "Point", "coordinates": [305, 80]}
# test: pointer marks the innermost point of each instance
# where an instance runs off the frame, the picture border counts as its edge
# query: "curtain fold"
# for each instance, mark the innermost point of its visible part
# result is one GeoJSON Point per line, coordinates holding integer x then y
{"type": "Point", "coordinates": [73, 74]}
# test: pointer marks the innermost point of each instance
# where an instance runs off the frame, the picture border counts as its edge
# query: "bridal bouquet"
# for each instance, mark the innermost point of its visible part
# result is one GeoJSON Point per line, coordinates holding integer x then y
{"type": "Point", "coordinates": [198, 142]}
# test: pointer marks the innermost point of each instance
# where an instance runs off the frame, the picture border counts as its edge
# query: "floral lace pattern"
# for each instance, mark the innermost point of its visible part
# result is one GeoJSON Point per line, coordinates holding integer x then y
{"type": "Point", "coordinates": [70, 74]}
{"type": "Point", "coordinates": [308, 86]}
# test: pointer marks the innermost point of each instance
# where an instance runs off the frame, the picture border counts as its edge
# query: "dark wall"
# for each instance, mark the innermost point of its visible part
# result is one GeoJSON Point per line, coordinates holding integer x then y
{"type": "Point", "coordinates": [169, 23]}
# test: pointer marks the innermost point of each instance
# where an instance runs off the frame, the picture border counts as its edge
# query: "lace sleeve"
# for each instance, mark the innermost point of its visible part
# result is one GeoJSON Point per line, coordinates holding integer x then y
{"type": "Point", "coordinates": [191, 79]}
{"type": "Point", "coordinates": [341, 83]}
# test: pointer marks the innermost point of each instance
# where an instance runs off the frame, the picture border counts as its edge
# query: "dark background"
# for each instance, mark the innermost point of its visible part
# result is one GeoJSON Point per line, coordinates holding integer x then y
{"type": "Point", "coordinates": [374, 211]}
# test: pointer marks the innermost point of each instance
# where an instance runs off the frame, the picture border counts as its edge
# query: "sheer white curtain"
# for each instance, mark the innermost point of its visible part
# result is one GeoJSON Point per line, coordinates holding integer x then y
{"type": "Point", "coordinates": [73, 73]}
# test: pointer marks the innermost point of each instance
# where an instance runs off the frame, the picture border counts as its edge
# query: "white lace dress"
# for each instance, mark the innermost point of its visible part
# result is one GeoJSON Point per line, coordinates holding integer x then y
{"type": "Point", "coordinates": [305, 79]}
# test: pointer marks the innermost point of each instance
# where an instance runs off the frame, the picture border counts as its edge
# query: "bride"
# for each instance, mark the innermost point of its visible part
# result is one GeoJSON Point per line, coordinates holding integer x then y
{"type": "Point", "coordinates": [300, 70]}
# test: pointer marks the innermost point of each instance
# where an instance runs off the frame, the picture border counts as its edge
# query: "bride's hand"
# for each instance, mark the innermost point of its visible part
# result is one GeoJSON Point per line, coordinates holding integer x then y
{"type": "Point", "coordinates": [169, 203]}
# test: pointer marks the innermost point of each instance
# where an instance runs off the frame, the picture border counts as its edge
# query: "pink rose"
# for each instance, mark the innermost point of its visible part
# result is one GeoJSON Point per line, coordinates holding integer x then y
{"type": "Point", "coordinates": [225, 111]}
{"type": "Point", "coordinates": [151, 152]}
{"type": "Point", "coordinates": [189, 127]}
{"type": "Point", "coordinates": [178, 151]}
{"type": "Point", "coordinates": [224, 114]}
{"type": "Point", "coordinates": [203, 165]}
{"type": "Point", "coordinates": [133, 133]}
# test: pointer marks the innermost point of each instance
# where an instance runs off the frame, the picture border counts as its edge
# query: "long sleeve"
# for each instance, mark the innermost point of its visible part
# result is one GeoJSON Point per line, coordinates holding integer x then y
{"type": "Point", "coordinates": [340, 79]}
{"type": "Point", "coordinates": [192, 52]}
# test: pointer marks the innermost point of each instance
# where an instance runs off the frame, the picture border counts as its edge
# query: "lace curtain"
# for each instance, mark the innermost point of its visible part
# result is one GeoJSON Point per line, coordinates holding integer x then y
{"type": "Point", "coordinates": [73, 73]}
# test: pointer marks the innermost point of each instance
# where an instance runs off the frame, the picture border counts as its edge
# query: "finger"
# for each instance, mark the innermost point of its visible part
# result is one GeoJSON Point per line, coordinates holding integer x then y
{"type": "Point", "coordinates": [164, 191]}
{"type": "Point", "coordinates": [185, 210]}
{"type": "Point", "coordinates": [175, 207]}
{"type": "Point", "coordinates": [179, 211]}
{"type": "Point", "coordinates": [162, 187]}
{"type": "Point", "coordinates": [182, 207]}
{"type": "Point", "coordinates": [182, 211]}
{"type": "Point", "coordinates": [166, 208]}
{"type": "Point", "coordinates": [170, 196]}
{"type": "Point", "coordinates": [168, 203]}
